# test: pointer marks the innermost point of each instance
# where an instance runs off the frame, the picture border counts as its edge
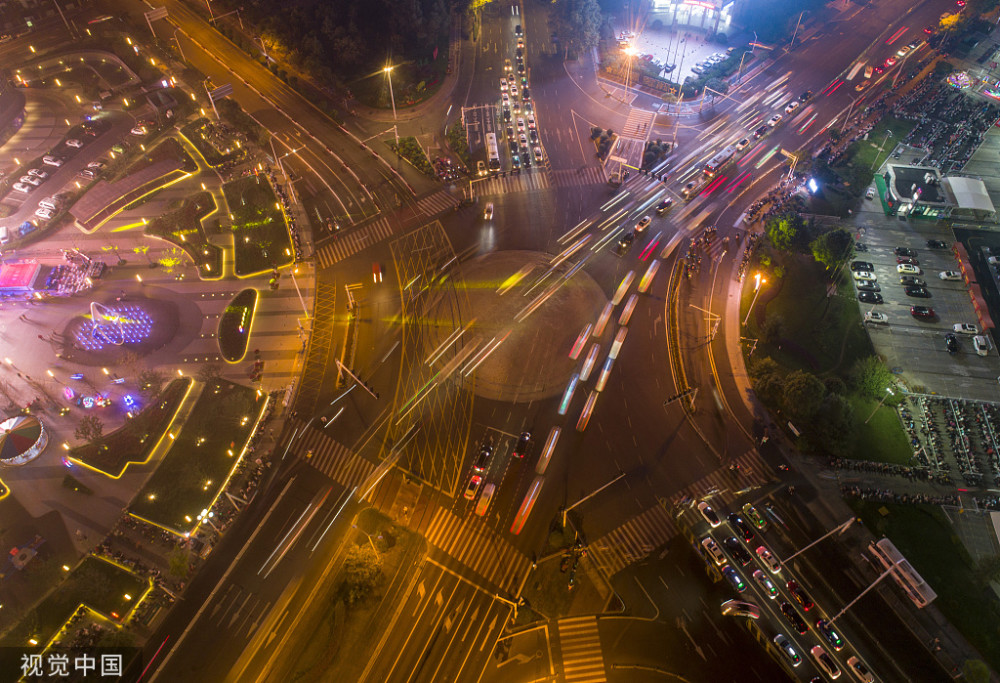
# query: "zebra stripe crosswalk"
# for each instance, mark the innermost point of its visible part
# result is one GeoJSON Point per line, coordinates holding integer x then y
{"type": "Point", "coordinates": [591, 175]}
{"type": "Point", "coordinates": [580, 644]}
{"type": "Point", "coordinates": [333, 458]}
{"type": "Point", "coordinates": [640, 536]}
{"type": "Point", "coordinates": [436, 203]}
{"type": "Point", "coordinates": [519, 182]}
{"type": "Point", "coordinates": [353, 242]}
{"type": "Point", "coordinates": [473, 544]}
{"type": "Point", "coordinates": [638, 123]}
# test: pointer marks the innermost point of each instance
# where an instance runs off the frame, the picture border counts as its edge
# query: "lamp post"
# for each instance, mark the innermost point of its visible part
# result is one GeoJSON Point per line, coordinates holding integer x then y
{"type": "Point", "coordinates": [630, 53]}
{"type": "Point", "coordinates": [758, 281]}
{"type": "Point", "coordinates": [179, 49]}
{"type": "Point", "coordinates": [739, 75]}
{"type": "Point", "coordinates": [888, 133]}
{"type": "Point", "coordinates": [889, 392]}
{"type": "Point", "coordinates": [395, 125]}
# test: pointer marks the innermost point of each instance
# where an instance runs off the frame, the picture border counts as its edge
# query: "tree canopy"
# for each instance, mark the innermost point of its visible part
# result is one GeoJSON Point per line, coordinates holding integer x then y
{"type": "Point", "coordinates": [577, 23]}
{"type": "Point", "coordinates": [831, 248]}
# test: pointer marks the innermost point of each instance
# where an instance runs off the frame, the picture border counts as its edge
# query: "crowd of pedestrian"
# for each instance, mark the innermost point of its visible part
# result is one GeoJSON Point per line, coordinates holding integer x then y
{"type": "Point", "coordinates": [963, 432]}
{"type": "Point", "coordinates": [913, 473]}
{"type": "Point", "coordinates": [890, 496]}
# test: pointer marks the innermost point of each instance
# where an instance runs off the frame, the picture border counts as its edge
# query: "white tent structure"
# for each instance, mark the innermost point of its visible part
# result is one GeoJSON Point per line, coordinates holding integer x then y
{"type": "Point", "coordinates": [968, 196]}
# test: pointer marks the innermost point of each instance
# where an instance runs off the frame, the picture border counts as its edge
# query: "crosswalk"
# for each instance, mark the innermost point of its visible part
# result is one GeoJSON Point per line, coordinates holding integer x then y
{"type": "Point", "coordinates": [519, 182]}
{"type": "Point", "coordinates": [638, 123]}
{"type": "Point", "coordinates": [351, 243]}
{"type": "Point", "coordinates": [331, 457]}
{"type": "Point", "coordinates": [640, 536]}
{"type": "Point", "coordinates": [436, 203]}
{"type": "Point", "coordinates": [591, 175]}
{"type": "Point", "coordinates": [479, 548]}
{"type": "Point", "coordinates": [580, 644]}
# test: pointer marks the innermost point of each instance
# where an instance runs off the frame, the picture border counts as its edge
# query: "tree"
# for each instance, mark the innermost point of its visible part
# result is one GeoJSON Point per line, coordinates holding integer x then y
{"type": "Point", "coordinates": [872, 377]}
{"type": "Point", "coordinates": [975, 671]}
{"type": "Point", "coordinates": [179, 562]}
{"type": "Point", "coordinates": [362, 573]}
{"type": "Point", "coordinates": [89, 429]}
{"type": "Point", "coordinates": [950, 23]}
{"type": "Point", "coordinates": [803, 394]}
{"type": "Point", "coordinates": [831, 248]}
{"type": "Point", "coordinates": [833, 426]}
{"type": "Point", "coordinates": [151, 383]}
{"type": "Point", "coordinates": [209, 372]}
{"type": "Point", "coordinates": [716, 87]}
{"type": "Point", "coordinates": [772, 329]}
{"type": "Point", "coordinates": [577, 23]}
{"type": "Point", "coordinates": [768, 380]}
{"type": "Point", "coordinates": [783, 232]}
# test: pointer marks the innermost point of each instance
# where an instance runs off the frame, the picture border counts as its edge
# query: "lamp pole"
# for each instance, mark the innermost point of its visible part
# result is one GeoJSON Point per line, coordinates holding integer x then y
{"type": "Point", "coordinates": [880, 147]}
{"type": "Point", "coordinates": [395, 124]}
{"type": "Point", "coordinates": [739, 76]}
{"type": "Point", "coordinates": [758, 281]}
{"type": "Point", "coordinates": [889, 392]}
{"type": "Point", "coordinates": [179, 48]}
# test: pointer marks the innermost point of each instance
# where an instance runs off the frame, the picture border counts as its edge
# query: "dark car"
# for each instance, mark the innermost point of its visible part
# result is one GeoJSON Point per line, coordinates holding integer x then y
{"type": "Point", "coordinates": [922, 312]}
{"type": "Point", "coordinates": [907, 259]}
{"type": "Point", "coordinates": [664, 206]}
{"type": "Point", "coordinates": [904, 251]}
{"type": "Point", "coordinates": [912, 281]}
{"type": "Point", "coordinates": [626, 240]}
{"type": "Point", "coordinates": [738, 552]}
{"type": "Point", "coordinates": [761, 132]}
{"type": "Point", "coordinates": [525, 93]}
{"type": "Point", "coordinates": [741, 526]}
{"type": "Point", "coordinates": [521, 447]}
{"type": "Point", "coordinates": [805, 96]}
{"type": "Point", "coordinates": [951, 342]}
{"type": "Point", "coordinates": [862, 265]}
{"type": "Point", "coordinates": [793, 618]}
{"type": "Point", "coordinates": [734, 578]}
{"type": "Point", "coordinates": [921, 292]}
{"type": "Point", "coordinates": [870, 298]}
{"type": "Point", "coordinates": [485, 452]}
{"type": "Point", "coordinates": [827, 630]}
{"type": "Point", "coordinates": [937, 244]}
{"type": "Point", "coordinates": [868, 286]}
{"type": "Point", "coordinates": [799, 595]}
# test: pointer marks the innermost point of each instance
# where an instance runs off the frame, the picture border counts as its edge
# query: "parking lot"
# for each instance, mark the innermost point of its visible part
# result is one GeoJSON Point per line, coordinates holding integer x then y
{"type": "Point", "coordinates": [915, 348]}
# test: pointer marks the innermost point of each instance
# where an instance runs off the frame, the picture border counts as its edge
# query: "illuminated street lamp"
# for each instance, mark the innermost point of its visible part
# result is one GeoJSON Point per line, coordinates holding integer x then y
{"type": "Point", "coordinates": [888, 392]}
{"type": "Point", "coordinates": [630, 52]}
{"type": "Point", "coordinates": [758, 281]}
{"type": "Point", "coordinates": [395, 129]}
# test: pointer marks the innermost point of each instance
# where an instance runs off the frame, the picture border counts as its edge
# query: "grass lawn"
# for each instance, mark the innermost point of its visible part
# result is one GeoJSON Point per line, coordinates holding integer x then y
{"type": "Point", "coordinates": [133, 442]}
{"type": "Point", "coordinates": [202, 457]}
{"type": "Point", "coordinates": [864, 154]}
{"type": "Point", "coordinates": [235, 325]}
{"type": "Point", "coordinates": [100, 585]}
{"type": "Point", "coordinates": [883, 438]}
{"type": "Point", "coordinates": [260, 237]}
{"type": "Point", "coordinates": [924, 536]}
{"type": "Point", "coordinates": [196, 133]}
{"type": "Point", "coordinates": [185, 229]}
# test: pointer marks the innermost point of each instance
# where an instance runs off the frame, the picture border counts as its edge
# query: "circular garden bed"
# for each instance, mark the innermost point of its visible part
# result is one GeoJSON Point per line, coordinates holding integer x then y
{"type": "Point", "coordinates": [234, 326]}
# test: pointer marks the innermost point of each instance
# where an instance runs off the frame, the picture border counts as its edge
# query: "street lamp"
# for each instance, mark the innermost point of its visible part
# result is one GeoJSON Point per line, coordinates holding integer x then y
{"type": "Point", "coordinates": [630, 53]}
{"type": "Point", "coordinates": [739, 75]}
{"type": "Point", "coordinates": [395, 128]}
{"type": "Point", "coordinates": [888, 133]}
{"type": "Point", "coordinates": [758, 281]}
{"type": "Point", "coordinates": [889, 393]}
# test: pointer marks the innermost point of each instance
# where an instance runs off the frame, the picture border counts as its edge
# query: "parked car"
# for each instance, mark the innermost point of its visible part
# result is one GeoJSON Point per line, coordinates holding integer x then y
{"type": "Point", "coordinates": [868, 286]}
{"type": "Point", "coordinates": [870, 298]}
{"type": "Point", "coordinates": [73, 142]}
{"type": "Point", "coordinates": [908, 269]}
{"type": "Point", "coordinates": [824, 662]}
{"type": "Point", "coordinates": [922, 312]}
{"type": "Point", "coordinates": [951, 343]}
{"type": "Point", "coordinates": [953, 275]}
{"type": "Point", "coordinates": [907, 259]}
{"type": "Point", "coordinates": [912, 281]}
{"type": "Point", "coordinates": [21, 187]}
{"type": "Point", "coordinates": [860, 671]}
{"type": "Point", "coordinates": [876, 318]}
{"type": "Point", "coordinates": [44, 214]}
{"type": "Point", "coordinates": [921, 292]}
{"type": "Point", "coordinates": [981, 344]}
{"type": "Point", "coordinates": [966, 328]}
{"type": "Point", "coordinates": [862, 265]}
{"type": "Point", "coordinates": [864, 275]}
{"type": "Point", "coordinates": [937, 244]}
{"type": "Point", "coordinates": [706, 510]}
{"type": "Point", "coordinates": [904, 251]}
{"type": "Point", "coordinates": [38, 173]}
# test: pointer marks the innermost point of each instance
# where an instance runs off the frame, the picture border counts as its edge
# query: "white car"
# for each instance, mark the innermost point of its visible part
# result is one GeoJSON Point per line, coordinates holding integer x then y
{"type": "Point", "coordinates": [96, 165]}
{"type": "Point", "coordinates": [981, 344]}
{"type": "Point", "coordinates": [21, 187]}
{"type": "Point", "coordinates": [864, 275]}
{"type": "Point", "coordinates": [30, 180]}
{"type": "Point", "coordinates": [713, 549]}
{"type": "Point", "coordinates": [38, 173]}
{"type": "Point", "coordinates": [138, 130]}
{"type": "Point", "coordinates": [965, 328]}
{"type": "Point", "coordinates": [537, 151]}
{"type": "Point", "coordinates": [505, 98]}
{"type": "Point", "coordinates": [709, 514]}
{"type": "Point", "coordinates": [768, 558]}
{"type": "Point", "coordinates": [73, 142]}
{"type": "Point", "coordinates": [774, 120]}
{"type": "Point", "coordinates": [523, 139]}
{"type": "Point", "coordinates": [792, 106]}
{"type": "Point", "coordinates": [643, 224]}
{"type": "Point", "coordinates": [824, 662]}
{"type": "Point", "coordinates": [950, 275]}
{"type": "Point", "coordinates": [907, 269]}
{"type": "Point", "coordinates": [742, 144]}
{"type": "Point", "coordinates": [860, 671]}
{"type": "Point", "coordinates": [488, 213]}
{"type": "Point", "coordinates": [531, 122]}
{"type": "Point", "coordinates": [52, 161]}
{"type": "Point", "coordinates": [876, 318]}
{"type": "Point", "coordinates": [520, 125]}
{"type": "Point", "coordinates": [44, 214]}
{"type": "Point", "coordinates": [870, 193]}
{"type": "Point", "coordinates": [503, 85]}
{"type": "Point", "coordinates": [903, 51]}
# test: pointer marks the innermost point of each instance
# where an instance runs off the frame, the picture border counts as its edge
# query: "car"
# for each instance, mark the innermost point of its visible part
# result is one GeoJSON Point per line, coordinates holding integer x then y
{"type": "Point", "coordinates": [765, 583]}
{"type": "Point", "coordinates": [536, 152]}
{"type": "Point", "coordinates": [922, 312]}
{"type": "Point", "coordinates": [952, 275]}
{"type": "Point", "coordinates": [525, 93]}
{"type": "Point", "coordinates": [937, 244]}
{"type": "Point", "coordinates": [698, 69]}
{"type": "Point", "coordinates": [870, 193]}
{"type": "Point", "coordinates": [965, 328]}
{"type": "Point", "coordinates": [30, 180]}
{"type": "Point", "coordinates": [506, 114]}
{"type": "Point", "coordinates": [793, 618]}
{"type": "Point", "coordinates": [376, 272]}
{"type": "Point", "coordinates": [44, 214]}
{"type": "Point", "coordinates": [912, 281]}
{"type": "Point", "coordinates": [750, 512]}
{"type": "Point", "coordinates": [774, 120]}
{"type": "Point", "coordinates": [890, 62]}
{"type": "Point", "coordinates": [531, 122]}
{"type": "Point", "coordinates": [738, 552]}
{"type": "Point", "coordinates": [138, 131]}
{"type": "Point", "coordinates": [981, 344]}
{"type": "Point", "coordinates": [488, 213]}
{"type": "Point", "coordinates": [738, 608]}
{"type": "Point", "coordinates": [861, 86]}
{"type": "Point", "coordinates": [87, 173]}
{"type": "Point", "coordinates": [520, 125]}
{"type": "Point", "coordinates": [643, 223]}
{"type": "Point", "coordinates": [768, 558]}
{"type": "Point", "coordinates": [827, 630]}
{"type": "Point", "coordinates": [904, 251]}
{"type": "Point", "coordinates": [503, 85]}
{"type": "Point", "coordinates": [38, 173]}
{"type": "Point", "coordinates": [734, 579]}
{"type": "Point", "coordinates": [742, 144]}
{"type": "Point", "coordinates": [73, 142]}
{"type": "Point", "coordinates": [903, 51]}
{"type": "Point", "coordinates": [862, 265]}
{"type": "Point", "coordinates": [690, 190]}
{"type": "Point", "coordinates": [517, 30]}
{"type": "Point", "coordinates": [624, 242]}
{"type": "Point", "coordinates": [865, 275]}
{"type": "Point", "coordinates": [761, 132]}
{"type": "Point", "coordinates": [869, 70]}
{"type": "Point", "coordinates": [473, 486]}
{"type": "Point", "coordinates": [480, 168]}
{"type": "Point", "coordinates": [806, 96]}
{"type": "Point", "coordinates": [521, 447]}
{"type": "Point", "coordinates": [792, 106]}
{"type": "Point", "coordinates": [921, 292]}
{"type": "Point", "coordinates": [876, 318]}
{"type": "Point", "coordinates": [800, 595]}
{"type": "Point", "coordinates": [788, 650]}
{"type": "Point", "coordinates": [860, 671]}
{"type": "Point", "coordinates": [907, 259]}
{"type": "Point", "coordinates": [533, 135]}
{"type": "Point", "coordinates": [513, 90]}
{"type": "Point", "coordinates": [868, 286]}
{"type": "Point", "coordinates": [664, 206]}
{"type": "Point", "coordinates": [21, 187]}
{"type": "Point", "coordinates": [929, 30]}
{"type": "Point", "coordinates": [704, 508]}
{"type": "Point", "coordinates": [520, 67]}
{"type": "Point", "coordinates": [741, 526]}
{"type": "Point", "coordinates": [523, 139]}
{"type": "Point", "coordinates": [52, 160]}
{"type": "Point", "coordinates": [824, 662]}
{"type": "Point", "coordinates": [507, 66]}
{"type": "Point", "coordinates": [485, 452]}
{"type": "Point", "coordinates": [870, 298]}
{"type": "Point", "coordinates": [713, 549]}
{"type": "Point", "coordinates": [908, 268]}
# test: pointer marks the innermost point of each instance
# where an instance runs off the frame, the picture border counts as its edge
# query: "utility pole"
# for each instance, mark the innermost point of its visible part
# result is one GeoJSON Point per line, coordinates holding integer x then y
{"type": "Point", "coordinates": [588, 497]}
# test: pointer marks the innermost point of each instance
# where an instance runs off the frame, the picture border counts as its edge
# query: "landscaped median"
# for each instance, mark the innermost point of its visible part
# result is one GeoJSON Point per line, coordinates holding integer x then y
{"type": "Point", "coordinates": [261, 240]}
{"type": "Point", "coordinates": [235, 325]}
{"type": "Point", "coordinates": [184, 227]}
{"type": "Point", "coordinates": [202, 458]}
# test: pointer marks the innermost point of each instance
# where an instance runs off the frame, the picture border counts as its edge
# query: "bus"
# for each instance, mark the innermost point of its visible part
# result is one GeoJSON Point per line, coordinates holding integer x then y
{"type": "Point", "coordinates": [906, 576]}
{"type": "Point", "coordinates": [529, 502]}
{"type": "Point", "coordinates": [719, 160]}
{"type": "Point", "coordinates": [492, 153]}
